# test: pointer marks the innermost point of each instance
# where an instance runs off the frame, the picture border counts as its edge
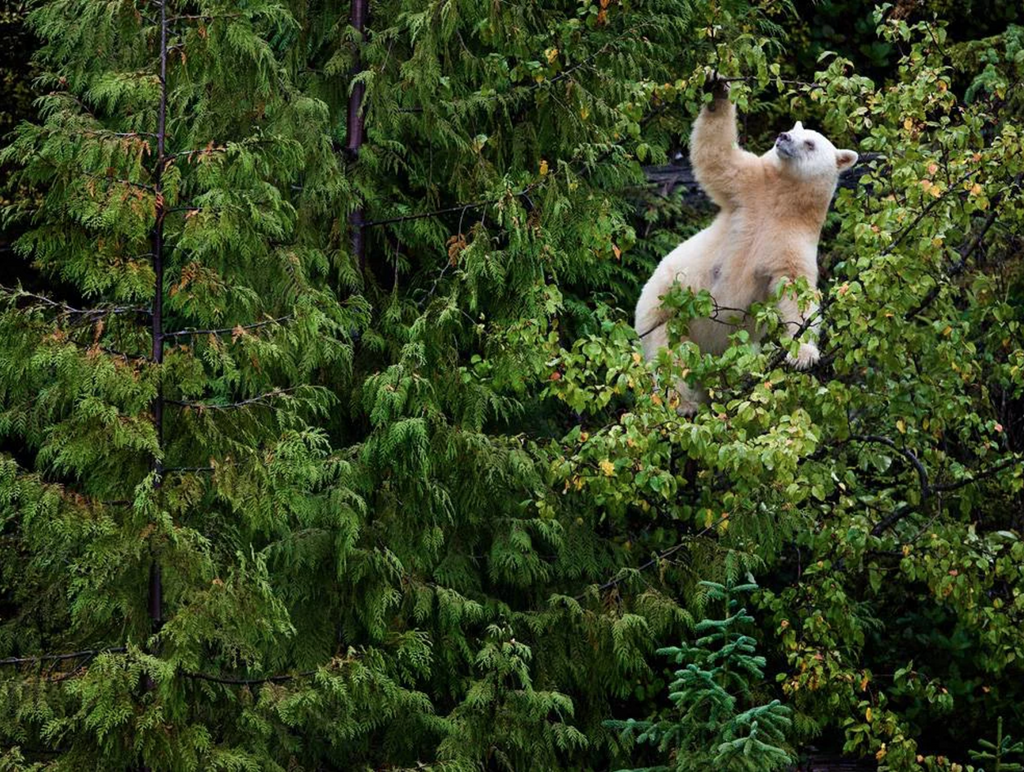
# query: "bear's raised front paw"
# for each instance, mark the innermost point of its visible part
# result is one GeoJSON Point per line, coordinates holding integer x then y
{"type": "Point", "coordinates": [717, 86]}
{"type": "Point", "coordinates": [807, 355]}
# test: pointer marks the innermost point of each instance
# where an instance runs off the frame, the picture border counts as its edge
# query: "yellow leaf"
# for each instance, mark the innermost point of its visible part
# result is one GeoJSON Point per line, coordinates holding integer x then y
{"type": "Point", "coordinates": [607, 467]}
{"type": "Point", "coordinates": [543, 167]}
{"type": "Point", "coordinates": [637, 358]}
{"type": "Point", "coordinates": [867, 715]}
{"type": "Point", "coordinates": [908, 124]}
{"type": "Point", "coordinates": [902, 426]}
{"type": "Point", "coordinates": [617, 251]}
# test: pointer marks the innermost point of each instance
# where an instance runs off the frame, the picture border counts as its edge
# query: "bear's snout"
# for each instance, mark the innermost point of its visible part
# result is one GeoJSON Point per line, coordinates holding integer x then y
{"type": "Point", "coordinates": [784, 145]}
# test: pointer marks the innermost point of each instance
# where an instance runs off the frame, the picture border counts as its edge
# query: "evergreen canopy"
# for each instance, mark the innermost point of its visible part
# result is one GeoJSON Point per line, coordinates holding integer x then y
{"type": "Point", "coordinates": [327, 442]}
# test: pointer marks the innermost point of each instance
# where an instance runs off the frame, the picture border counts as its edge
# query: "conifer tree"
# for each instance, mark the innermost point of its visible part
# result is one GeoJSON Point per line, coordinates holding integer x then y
{"type": "Point", "coordinates": [329, 444]}
{"type": "Point", "coordinates": [168, 394]}
{"type": "Point", "coordinates": [706, 729]}
{"type": "Point", "coordinates": [244, 510]}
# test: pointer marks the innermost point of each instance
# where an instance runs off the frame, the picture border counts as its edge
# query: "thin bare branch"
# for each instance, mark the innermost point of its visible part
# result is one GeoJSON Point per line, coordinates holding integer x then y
{"type": "Point", "coordinates": [448, 210]}
{"type": "Point", "coordinates": [926, 211]}
{"type": "Point", "coordinates": [965, 252]}
{"type": "Point", "coordinates": [922, 473]}
{"type": "Point", "coordinates": [67, 310]}
{"type": "Point", "coordinates": [274, 679]}
{"type": "Point", "coordinates": [657, 559]}
{"type": "Point", "coordinates": [257, 400]}
{"type": "Point", "coordinates": [991, 471]}
{"type": "Point", "coordinates": [62, 657]}
{"type": "Point", "coordinates": [226, 330]}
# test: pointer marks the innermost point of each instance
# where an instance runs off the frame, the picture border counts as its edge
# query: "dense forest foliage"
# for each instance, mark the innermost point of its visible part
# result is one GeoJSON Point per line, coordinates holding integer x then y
{"type": "Point", "coordinates": [326, 441]}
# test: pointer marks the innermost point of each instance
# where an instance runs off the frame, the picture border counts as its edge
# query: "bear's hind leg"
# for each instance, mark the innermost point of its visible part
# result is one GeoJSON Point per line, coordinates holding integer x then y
{"type": "Point", "coordinates": [689, 398]}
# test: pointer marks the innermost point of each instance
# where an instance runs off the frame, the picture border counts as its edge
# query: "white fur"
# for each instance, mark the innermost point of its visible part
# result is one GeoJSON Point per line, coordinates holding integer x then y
{"type": "Point", "coordinates": [765, 236]}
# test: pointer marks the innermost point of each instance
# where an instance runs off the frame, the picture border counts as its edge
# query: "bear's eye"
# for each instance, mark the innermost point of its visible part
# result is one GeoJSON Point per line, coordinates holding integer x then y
{"type": "Point", "coordinates": [808, 144]}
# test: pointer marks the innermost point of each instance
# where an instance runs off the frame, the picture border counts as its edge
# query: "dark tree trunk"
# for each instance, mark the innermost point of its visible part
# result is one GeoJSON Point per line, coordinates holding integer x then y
{"type": "Point", "coordinates": [360, 12]}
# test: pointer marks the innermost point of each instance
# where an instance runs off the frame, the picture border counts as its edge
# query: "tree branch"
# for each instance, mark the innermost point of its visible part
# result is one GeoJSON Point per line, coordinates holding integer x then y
{"type": "Point", "coordinates": [985, 473]}
{"type": "Point", "coordinates": [922, 473]}
{"type": "Point", "coordinates": [259, 399]}
{"type": "Point", "coordinates": [120, 181]}
{"type": "Point", "coordinates": [225, 330]}
{"type": "Point", "coordinates": [67, 310]}
{"type": "Point", "coordinates": [684, 540]}
{"type": "Point", "coordinates": [927, 488]}
{"type": "Point", "coordinates": [62, 657]}
{"type": "Point", "coordinates": [965, 252]}
{"type": "Point", "coordinates": [449, 209]}
{"type": "Point", "coordinates": [202, 17]}
{"type": "Point", "coordinates": [926, 211]}
{"type": "Point", "coordinates": [274, 679]}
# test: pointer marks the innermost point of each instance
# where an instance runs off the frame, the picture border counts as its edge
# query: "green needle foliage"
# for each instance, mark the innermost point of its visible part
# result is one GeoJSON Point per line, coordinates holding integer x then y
{"type": "Point", "coordinates": [999, 751]}
{"type": "Point", "coordinates": [330, 450]}
{"type": "Point", "coordinates": [707, 728]}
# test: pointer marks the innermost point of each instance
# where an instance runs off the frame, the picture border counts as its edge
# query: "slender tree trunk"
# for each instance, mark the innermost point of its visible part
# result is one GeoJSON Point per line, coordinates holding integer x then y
{"type": "Point", "coordinates": [155, 575]}
{"type": "Point", "coordinates": [360, 12]}
{"type": "Point", "coordinates": [156, 590]}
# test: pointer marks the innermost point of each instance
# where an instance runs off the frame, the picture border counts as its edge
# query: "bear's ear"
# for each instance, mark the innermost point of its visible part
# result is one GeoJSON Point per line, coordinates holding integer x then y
{"type": "Point", "coordinates": [845, 159]}
{"type": "Point", "coordinates": [798, 126]}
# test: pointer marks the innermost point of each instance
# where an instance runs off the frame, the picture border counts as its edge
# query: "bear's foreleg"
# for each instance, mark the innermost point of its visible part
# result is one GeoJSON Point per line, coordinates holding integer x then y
{"type": "Point", "coordinates": [719, 165]}
{"type": "Point", "coordinates": [795, 321]}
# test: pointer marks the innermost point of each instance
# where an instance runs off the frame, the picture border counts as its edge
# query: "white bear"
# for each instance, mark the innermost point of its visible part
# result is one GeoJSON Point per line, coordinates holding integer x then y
{"type": "Point", "coordinates": [764, 237]}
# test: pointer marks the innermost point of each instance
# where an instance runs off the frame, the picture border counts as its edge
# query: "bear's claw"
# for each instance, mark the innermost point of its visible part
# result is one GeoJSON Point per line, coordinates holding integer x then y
{"type": "Point", "coordinates": [807, 356]}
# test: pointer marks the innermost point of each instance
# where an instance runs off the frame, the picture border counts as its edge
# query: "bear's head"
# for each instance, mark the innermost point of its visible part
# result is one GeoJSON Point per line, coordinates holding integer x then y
{"type": "Point", "coordinates": [807, 154]}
